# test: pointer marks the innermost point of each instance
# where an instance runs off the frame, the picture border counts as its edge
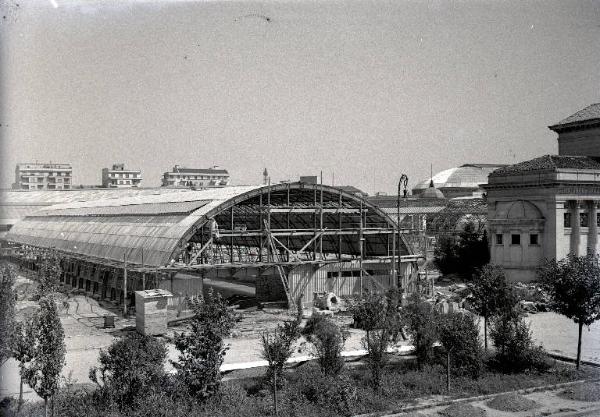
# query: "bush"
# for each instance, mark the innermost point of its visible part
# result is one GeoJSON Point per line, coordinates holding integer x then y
{"type": "Point", "coordinates": [335, 395]}
{"type": "Point", "coordinates": [421, 319]}
{"type": "Point", "coordinates": [130, 368]}
{"type": "Point", "coordinates": [459, 336]}
{"type": "Point", "coordinates": [515, 350]}
{"type": "Point", "coordinates": [328, 341]}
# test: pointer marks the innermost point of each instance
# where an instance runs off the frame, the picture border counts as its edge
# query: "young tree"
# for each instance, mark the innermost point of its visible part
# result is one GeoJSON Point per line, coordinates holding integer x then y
{"type": "Point", "coordinates": [22, 343]}
{"type": "Point", "coordinates": [421, 319]}
{"type": "Point", "coordinates": [49, 274]}
{"type": "Point", "coordinates": [491, 293]}
{"type": "Point", "coordinates": [130, 368]}
{"type": "Point", "coordinates": [574, 287]}
{"type": "Point", "coordinates": [378, 316]}
{"type": "Point", "coordinates": [7, 311]}
{"type": "Point", "coordinates": [277, 348]}
{"type": "Point", "coordinates": [459, 336]}
{"type": "Point", "coordinates": [202, 349]}
{"type": "Point", "coordinates": [43, 372]}
{"type": "Point", "coordinates": [328, 340]}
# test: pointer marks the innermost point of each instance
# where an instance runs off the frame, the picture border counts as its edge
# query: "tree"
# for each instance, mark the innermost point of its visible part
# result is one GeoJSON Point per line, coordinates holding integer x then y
{"type": "Point", "coordinates": [43, 372]}
{"type": "Point", "coordinates": [421, 319]}
{"type": "Point", "coordinates": [202, 349]}
{"type": "Point", "coordinates": [277, 348]}
{"type": "Point", "coordinates": [22, 343]}
{"type": "Point", "coordinates": [378, 316]}
{"type": "Point", "coordinates": [130, 368]}
{"type": "Point", "coordinates": [463, 254]}
{"type": "Point", "coordinates": [7, 311]}
{"type": "Point", "coordinates": [459, 336]}
{"type": "Point", "coordinates": [49, 274]}
{"type": "Point", "coordinates": [573, 284]}
{"type": "Point", "coordinates": [490, 293]}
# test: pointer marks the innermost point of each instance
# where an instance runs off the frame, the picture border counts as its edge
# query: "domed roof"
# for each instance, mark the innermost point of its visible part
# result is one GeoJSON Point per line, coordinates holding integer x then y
{"type": "Point", "coordinates": [468, 176]}
{"type": "Point", "coordinates": [432, 192]}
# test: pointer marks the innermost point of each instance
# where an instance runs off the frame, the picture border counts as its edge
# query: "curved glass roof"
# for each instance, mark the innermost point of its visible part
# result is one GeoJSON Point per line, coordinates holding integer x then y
{"type": "Point", "coordinates": [152, 229]}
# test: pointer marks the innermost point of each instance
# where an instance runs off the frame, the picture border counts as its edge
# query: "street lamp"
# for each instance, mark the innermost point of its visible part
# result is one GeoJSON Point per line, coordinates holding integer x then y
{"type": "Point", "coordinates": [402, 184]}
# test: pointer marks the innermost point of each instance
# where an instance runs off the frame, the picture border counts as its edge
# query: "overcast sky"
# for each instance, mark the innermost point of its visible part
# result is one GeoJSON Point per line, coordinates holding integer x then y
{"type": "Point", "coordinates": [363, 90]}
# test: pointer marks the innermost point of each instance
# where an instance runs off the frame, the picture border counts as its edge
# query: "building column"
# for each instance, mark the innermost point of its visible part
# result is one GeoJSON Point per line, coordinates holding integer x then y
{"type": "Point", "coordinates": [592, 227]}
{"type": "Point", "coordinates": [575, 227]}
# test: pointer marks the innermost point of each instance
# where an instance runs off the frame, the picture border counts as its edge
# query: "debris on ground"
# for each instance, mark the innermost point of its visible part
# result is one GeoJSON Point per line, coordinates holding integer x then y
{"type": "Point", "coordinates": [512, 402]}
{"type": "Point", "coordinates": [582, 392]}
{"type": "Point", "coordinates": [463, 410]}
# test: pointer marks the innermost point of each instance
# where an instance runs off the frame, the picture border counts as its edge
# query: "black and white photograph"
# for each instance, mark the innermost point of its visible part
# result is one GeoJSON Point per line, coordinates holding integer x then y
{"type": "Point", "coordinates": [299, 208]}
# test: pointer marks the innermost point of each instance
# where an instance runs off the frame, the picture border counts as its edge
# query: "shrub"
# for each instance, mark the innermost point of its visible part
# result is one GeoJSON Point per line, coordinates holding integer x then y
{"type": "Point", "coordinates": [328, 341]}
{"type": "Point", "coordinates": [202, 349]}
{"type": "Point", "coordinates": [334, 395]}
{"type": "Point", "coordinates": [130, 368]}
{"type": "Point", "coordinates": [515, 350]}
{"type": "Point", "coordinates": [459, 336]}
{"type": "Point", "coordinates": [421, 319]}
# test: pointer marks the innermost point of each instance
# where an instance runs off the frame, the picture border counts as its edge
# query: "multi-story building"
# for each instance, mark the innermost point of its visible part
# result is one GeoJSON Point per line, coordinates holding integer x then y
{"type": "Point", "coordinates": [119, 177]}
{"type": "Point", "coordinates": [43, 176]}
{"type": "Point", "coordinates": [199, 178]}
{"type": "Point", "coordinates": [547, 207]}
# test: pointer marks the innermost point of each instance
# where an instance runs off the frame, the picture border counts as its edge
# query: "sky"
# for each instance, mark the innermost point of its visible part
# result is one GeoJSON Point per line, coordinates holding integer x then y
{"type": "Point", "coordinates": [361, 91]}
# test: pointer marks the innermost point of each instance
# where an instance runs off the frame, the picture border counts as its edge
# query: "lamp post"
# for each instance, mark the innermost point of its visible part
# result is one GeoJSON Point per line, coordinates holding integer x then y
{"type": "Point", "coordinates": [402, 183]}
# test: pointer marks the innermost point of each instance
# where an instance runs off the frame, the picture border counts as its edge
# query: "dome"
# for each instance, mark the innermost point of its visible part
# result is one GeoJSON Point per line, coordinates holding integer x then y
{"type": "Point", "coordinates": [432, 192]}
{"type": "Point", "coordinates": [459, 181]}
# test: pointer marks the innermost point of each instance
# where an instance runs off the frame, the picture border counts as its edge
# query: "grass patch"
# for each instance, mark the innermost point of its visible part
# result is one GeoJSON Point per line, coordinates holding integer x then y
{"type": "Point", "coordinates": [463, 410]}
{"type": "Point", "coordinates": [512, 402]}
{"type": "Point", "coordinates": [582, 392]}
{"type": "Point", "coordinates": [308, 393]}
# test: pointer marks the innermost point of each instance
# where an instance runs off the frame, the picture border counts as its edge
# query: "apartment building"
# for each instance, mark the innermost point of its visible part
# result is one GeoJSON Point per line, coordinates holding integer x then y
{"type": "Point", "coordinates": [119, 177]}
{"type": "Point", "coordinates": [43, 176]}
{"type": "Point", "coordinates": [199, 178]}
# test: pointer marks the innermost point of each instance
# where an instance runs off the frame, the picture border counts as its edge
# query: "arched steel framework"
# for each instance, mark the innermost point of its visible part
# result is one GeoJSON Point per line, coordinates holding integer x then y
{"type": "Point", "coordinates": [291, 222]}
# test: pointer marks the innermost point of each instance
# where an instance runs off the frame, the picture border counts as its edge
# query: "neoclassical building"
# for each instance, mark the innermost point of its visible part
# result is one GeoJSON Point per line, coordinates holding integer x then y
{"type": "Point", "coordinates": [547, 207]}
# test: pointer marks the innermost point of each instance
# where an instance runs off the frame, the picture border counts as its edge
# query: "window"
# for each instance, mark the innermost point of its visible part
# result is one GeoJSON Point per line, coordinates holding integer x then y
{"type": "Point", "coordinates": [534, 239]}
{"type": "Point", "coordinates": [583, 219]}
{"type": "Point", "coordinates": [498, 238]}
{"type": "Point", "coordinates": [597, 219]}
{"type": "Point", "coordinates": [515, 239]}
{"type": "Point", "coordinates": [567, 222]}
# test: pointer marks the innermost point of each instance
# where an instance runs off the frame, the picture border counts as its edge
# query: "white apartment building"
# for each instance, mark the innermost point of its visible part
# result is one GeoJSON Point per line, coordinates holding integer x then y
{"type": "Point", "coordinates": [119, 177]}
{"type": "Point", "coordinates": [43, 176]}
{"type": "Point", "coordinates": [199, 178]}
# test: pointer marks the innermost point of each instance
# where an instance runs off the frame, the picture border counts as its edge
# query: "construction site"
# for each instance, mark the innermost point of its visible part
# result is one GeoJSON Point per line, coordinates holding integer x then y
{"type": "Point", "coordinates": [278, 244]}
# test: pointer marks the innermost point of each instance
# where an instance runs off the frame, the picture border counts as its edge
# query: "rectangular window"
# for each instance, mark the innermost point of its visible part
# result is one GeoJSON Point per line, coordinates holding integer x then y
{"type": "Point", "coordinates": [583, 219]}
{"type": "Point", "coordinates": [534, 239]}
{"type": "Point", "coordinates": [498, 238]}
{"type": "Point", "coordinates": [567, 222]}
{"type": "Point", "coordinates": [515, 239]}
{"type": "Point", "coordinates": [597, 219]}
